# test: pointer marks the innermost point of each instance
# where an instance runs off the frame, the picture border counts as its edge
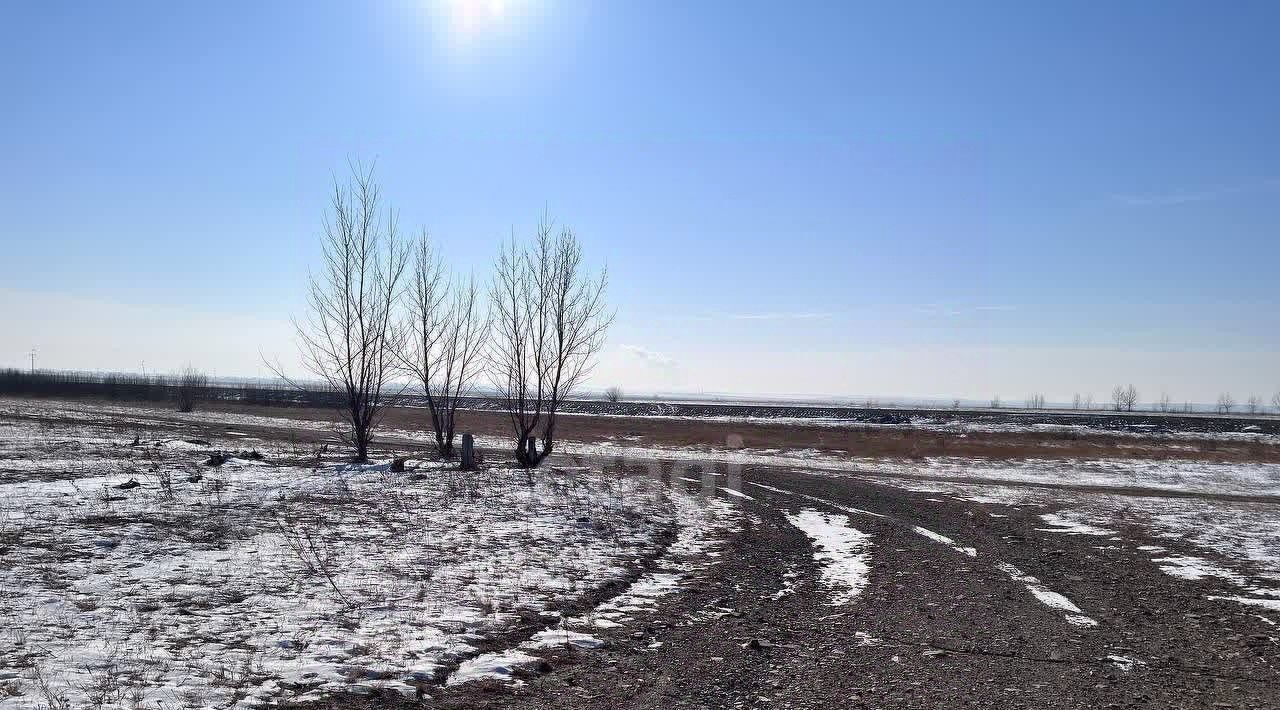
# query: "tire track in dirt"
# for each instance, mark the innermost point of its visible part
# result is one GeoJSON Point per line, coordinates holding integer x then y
{"type": "Point", "coordinates": [1043, 594]}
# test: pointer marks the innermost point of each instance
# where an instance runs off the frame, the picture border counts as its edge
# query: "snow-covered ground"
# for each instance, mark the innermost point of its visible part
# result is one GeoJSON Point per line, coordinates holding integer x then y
{"type": "Point", "coordinates": [250, 582]}
{"type": "Point", "coordinates": [257, 581]}
{"type": "Point", "coordinates": [941, 425]}
{"type": "Point", "coordinates": [1170, 475]}
{"type": "Point", "coordinates": [695, 546]}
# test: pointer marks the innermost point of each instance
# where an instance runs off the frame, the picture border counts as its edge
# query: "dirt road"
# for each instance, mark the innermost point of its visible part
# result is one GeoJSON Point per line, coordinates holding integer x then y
{"type": "Point", "coordinates": [936, 625]}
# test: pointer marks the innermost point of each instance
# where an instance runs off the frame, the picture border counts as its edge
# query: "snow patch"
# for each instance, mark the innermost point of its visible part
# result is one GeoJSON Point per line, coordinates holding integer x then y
{"type": "Point", "coordinates": [1046, 596]}
{"type": "Point", "coordinates": [497, 666]}
{"type": "Point", "coordinates": [1269, 604]}
{"type": "Point", "coordinates": [1125, 663]}
{"type": "Point", "coordinates": [735, 493]}
{"type": "Point", "coordinates": [937, 537]}
{"type": "Point", "coordinates": [816, 499]}
{"type": "Point", "coordinates": [1070, 526]}
{"type": "Point", "coordinates": [843, 551]}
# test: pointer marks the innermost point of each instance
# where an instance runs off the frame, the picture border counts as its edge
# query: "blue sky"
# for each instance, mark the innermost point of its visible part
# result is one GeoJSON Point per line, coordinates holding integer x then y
{"type": "Point", "coordinates": [906, 199]}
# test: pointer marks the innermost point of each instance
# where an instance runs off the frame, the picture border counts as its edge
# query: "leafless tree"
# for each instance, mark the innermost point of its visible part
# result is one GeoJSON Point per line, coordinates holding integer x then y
{"type": "Point", "coordinates": [1275, 401]}
{"type": "Point", "coordinates": [1163, 404]}
{"type": "Point", "coordinates": [1124, 398]}
{"type": "Point", "coordinates": [1226, 402]}
{"type": "Point", "coordinates": [613, 394]}
{"type": "Point", "coordinates": [1130, 397]}
{"type": "Point", "coordinates": [442, 339]}
{"type": "Point", "coordinates": [348, 339]}
{"type": "Point", "coordinates": [549, 322]}
{"type": "Point", "coordinates": [1076, 401]}
{"type": "Point", "coordinates": [193, 386]}
{"type": "Point", "coordinates": [1035, 401]}
{"type": "Point", "coordinates": [1088, 402]}
{"type": "Point", "coordinates": [1254, 404]}
{"type": "Point", "coordinates": [995, 402]}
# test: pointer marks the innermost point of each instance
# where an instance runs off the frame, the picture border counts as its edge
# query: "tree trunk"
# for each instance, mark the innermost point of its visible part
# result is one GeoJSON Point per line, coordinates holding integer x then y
{"type": "Point", "coordinates": [522, 452]}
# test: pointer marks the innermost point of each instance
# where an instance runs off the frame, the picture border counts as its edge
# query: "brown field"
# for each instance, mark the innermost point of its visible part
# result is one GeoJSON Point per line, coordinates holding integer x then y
{"type": "Point", "coordinates": [853, 440]}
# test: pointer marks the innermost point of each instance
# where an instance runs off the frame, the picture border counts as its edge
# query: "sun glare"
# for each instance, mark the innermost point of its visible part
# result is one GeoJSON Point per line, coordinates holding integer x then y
{"type": "Point", "coordinates": [471, 16]}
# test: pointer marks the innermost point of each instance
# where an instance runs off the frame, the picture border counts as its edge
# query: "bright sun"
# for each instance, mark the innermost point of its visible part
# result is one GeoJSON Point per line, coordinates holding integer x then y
{"type": "Point", "coordinates": [470, 16]}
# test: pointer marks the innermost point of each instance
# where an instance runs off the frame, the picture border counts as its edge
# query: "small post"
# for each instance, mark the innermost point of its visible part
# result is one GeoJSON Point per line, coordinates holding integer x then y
{"type": "Point", "coordinates": [468, 452]}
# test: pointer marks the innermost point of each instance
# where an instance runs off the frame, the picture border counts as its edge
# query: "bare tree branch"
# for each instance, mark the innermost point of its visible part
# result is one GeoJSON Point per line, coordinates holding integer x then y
{"type": "Point", "coordinates": [442, 336]}
{"type": "Point", "coordinates": [549, 321]}
{"type": "Point", "coordinates": [348, 340]}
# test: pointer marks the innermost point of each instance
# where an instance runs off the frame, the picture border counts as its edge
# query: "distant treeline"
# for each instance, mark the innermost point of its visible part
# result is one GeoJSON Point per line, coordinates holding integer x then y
{"type": "Point", "coordinates": [157, 388]}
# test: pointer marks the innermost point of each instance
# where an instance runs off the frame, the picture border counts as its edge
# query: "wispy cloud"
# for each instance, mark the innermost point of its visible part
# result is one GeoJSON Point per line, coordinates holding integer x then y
{"type": "Point", "coordinates": [649, 357]}
{"type": "Point", "coordinates": [1182, 197]}
{"type": "Point", "coordinates": [946, 309]}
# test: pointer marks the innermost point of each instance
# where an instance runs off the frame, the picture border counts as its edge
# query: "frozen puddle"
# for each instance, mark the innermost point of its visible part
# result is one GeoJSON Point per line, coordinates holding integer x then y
{"type": "Point", "coordinates": [1046, 596]}
{"type": "Point", "coordinates": [943, 539]}
{"type": "Point", "coordinates": [842, 550]}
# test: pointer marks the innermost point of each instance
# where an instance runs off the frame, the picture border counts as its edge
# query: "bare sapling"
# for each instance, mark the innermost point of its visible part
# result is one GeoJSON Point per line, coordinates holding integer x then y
{"type": "Point", "coordinates": [613, 394]}
{"type": "Point", "coordinates": [348, 339]}
{"type": "Point", "coordinates": [442, 339]}
{"type": "Point", "coordinates": [193, 386]}
{"type": "Point", "coordinates": [1226, 403]}
{"type": "Point", "coordinates": [549, 321]}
